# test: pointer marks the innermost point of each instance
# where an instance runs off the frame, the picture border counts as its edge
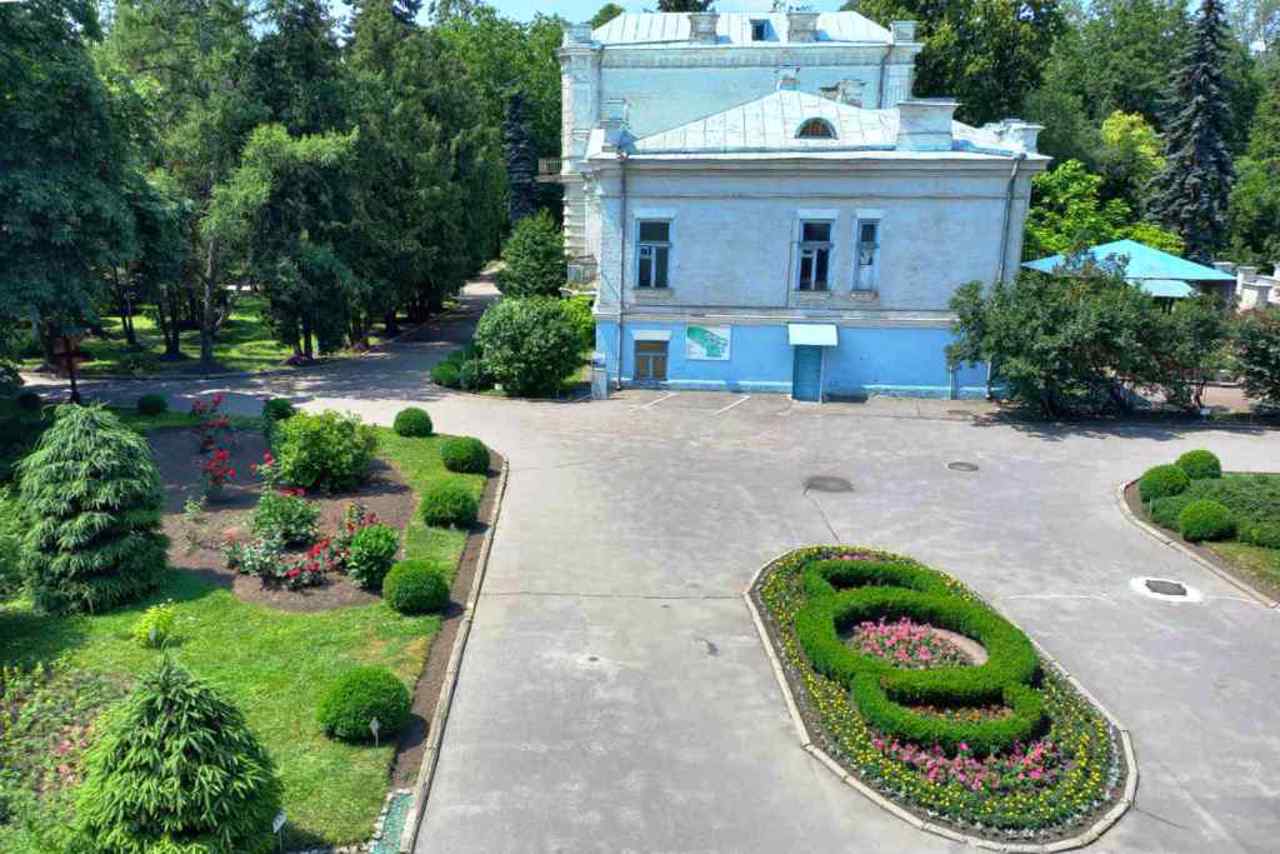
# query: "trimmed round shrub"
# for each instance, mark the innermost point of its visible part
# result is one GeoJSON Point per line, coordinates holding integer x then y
{"type": "Point", "coordinates": [1200, 465]}
{"type": "Point", "coordinates": [412, 422]}
{"type": "Point", "coordinates": [29, 401]}
{"type": "Point", "coordinates": [465, 454]}
{"type": "Point", "coordinates": [1165, 511]}
{"type": "Point", "coordinates": [416, 587]}
{"type": "Point", "coordinates": [449, 504]}
{"type": "Point", "coordinates": [278, 409]}
{"type": "Point", "coordinates": [357, 697]}
{"type": "Point", "coordinates": [153, 404]}
{"type": "Point", "coordinates": [1206, 519]}
{"type": "Point", "coordinates": [329, 452]}
{"type": "Point", "coordinates": [1264, 534]}
{"type": "Point", "coordinates": [528, 344]}
{"type": "Point", "coordinates": [373, 550]}
{"type": "Point", "coordinates": [92, 494]}
{"type": "Point", "coordinates": [472, 376]}
{"type": "Point", "coordinates": [1161, 481]}
{"type": "Point", "coordinates": [447, 374]}
{"type": "Point", "coordinates": [145, 788]}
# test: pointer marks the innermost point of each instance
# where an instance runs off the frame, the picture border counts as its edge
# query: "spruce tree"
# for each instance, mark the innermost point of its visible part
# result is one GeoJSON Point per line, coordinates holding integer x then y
{"type": "Point", "coordinates": [176, 768]}
{"type": "Point", "coordinates": [91, 492]}
{"type": "Point", "coordinates": [1193, 190]}
{"type": "Point", "coordinates": [522, 159]}
{"type": "Point", "coordinates": [684, 5]}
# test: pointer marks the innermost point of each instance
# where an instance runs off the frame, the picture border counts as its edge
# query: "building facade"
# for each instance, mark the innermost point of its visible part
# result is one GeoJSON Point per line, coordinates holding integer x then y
{"type": "Point", "coordinates": [763, 206]}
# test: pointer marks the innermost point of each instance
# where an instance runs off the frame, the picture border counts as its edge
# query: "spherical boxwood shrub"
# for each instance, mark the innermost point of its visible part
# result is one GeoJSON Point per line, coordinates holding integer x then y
{"type": "Point", "coordinates": [413, 422]}
{"type": "Point", "coordinates": [329, 452]}
{"type": "Point", "coordinates": [91, 491]}
{"type": "Point", "coordinates": [277, 409]}
{"type": "Point", "coordinates": [1206, 519]}
{"type": "Point", "coordinates": [1264, 534]}
{"type": "Point", "coordinates": [416, 586]}
{"type": "Point", "coordinates": [465, 454]}
{"type": "Point", "coordinates": [447, 374]}
{"type": "Point", "coordinates": [449, 504]}
{"type": "Point", "coordinates": [152, 404]}
{"type": "Point", "coordinates": [146, 789]}
{"type": "Point", "coordinates": [529, 345]}
{"type": "Point", "coordinates": [360, 695]}
{"type": "Point", "coordinates": [373, 550]}
{"type": "Point", "coordinates": [1161, 481]}
{"type": "Point", "coordinates": [1200, 465]}
{"type": "Point", "coordinates": [1165, 511]}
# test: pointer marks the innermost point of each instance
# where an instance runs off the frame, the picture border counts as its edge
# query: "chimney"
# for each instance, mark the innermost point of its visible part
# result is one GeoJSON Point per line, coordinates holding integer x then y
{"type": "Point", "coordinates": [1245, 273]}
{"type": "Point", "coordinates": [924, 124]}
{"type": "Point", "coordinates": [802, 26]}
{"type": "Point", "coordinates": [904, 32]}
{"type": "Point", "coordinates": [1017, 134]}
{"type": "Point", "coordinates": [576, 34]}
{"type": "Point", "coordinates": [702, 27]}
{"type": "Point", "coordinates": [787, 79]}
{"type": "Point", "coordinates": [616, 130]}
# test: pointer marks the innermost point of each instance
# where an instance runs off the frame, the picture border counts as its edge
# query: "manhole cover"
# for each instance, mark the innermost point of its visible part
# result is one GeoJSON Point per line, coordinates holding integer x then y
{"type": "Point", "coordinates": [960, 465]}
{"type": "Point", "coordinates": [1166, 588]}
{"type": "Point", "coordinates": [827, 483]}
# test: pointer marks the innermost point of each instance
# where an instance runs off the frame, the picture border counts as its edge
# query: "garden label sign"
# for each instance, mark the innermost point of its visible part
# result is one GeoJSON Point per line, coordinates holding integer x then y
{"type": "Point", "coordinates": [707, 343]}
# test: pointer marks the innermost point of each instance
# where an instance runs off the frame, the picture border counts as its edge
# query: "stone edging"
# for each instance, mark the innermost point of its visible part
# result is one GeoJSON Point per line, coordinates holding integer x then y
{"type": "Point", "coordinates": [1079, 840]}
{"type": "Point", "coordinates": [1164, 539]}
{"type": "Point", "coordinates": [440, 717]}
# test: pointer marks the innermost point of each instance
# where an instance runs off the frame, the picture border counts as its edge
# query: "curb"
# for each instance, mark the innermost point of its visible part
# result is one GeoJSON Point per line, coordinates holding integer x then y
{"type": "Point", "coordinates": [440, 717]}
{"type": "Point", "coordinates": [1080, 840]}
{"type": "Point", "coordinates": [1164, 539]}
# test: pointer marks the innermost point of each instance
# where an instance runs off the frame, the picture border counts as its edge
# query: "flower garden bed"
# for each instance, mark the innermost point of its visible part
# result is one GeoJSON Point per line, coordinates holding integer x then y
{"type": "Point", "coordinates": [1007, 750]}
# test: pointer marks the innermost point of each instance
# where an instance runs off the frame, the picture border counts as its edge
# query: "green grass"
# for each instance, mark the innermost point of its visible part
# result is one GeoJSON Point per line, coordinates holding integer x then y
{"type": "Point", "coordinates": [1256, 563]}
{"type": "Point", "coordinates": [273, 665]}
{"type": "Point", "coordinates": [244, 343]}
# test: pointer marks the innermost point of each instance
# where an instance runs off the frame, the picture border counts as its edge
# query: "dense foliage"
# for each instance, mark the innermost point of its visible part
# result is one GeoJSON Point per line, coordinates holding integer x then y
{"type": "Point", "coordinates": [1205, 519]}
{"type": "Point", "coordinates": [153, 404]}
{"type": "Point", "coordinates": [534, 259]}
{"type": "Point", "coordinates": [291, 519]}
{"type": "Point", "coordinates": [413, 422]}
{"type": "Point", "coordinates": [1196, 499]}
{"type": "Point", "coordinates": [1085, 340]}
{"type": "Point", "coordinates": [371, 554]}
{"type": "Point", "coordinates": [416, 586]}
{"type": "Point", "coordinates": [328, 452]}
{"type": "Point", "coordinates": [1200, 464]}
{"type": "Point", "coordinates": [449, 504]}
{"type": "Point", "coordinates": [175, 768]}
{"type": "Point", "coordinates": [360, 696]}
{"type": "Point", "coordinates": [1067, 772]}
{"type": "Point", "coordinates": [1162, 481]}
{"type": "Point", "coordinates": [1258, 354]}
{"type": "Point", "coordinates": [464, 454]}
{"type": "Point", "coordinates": [91, 492]}
{"type": "Point", "coordinates": [529, 345]}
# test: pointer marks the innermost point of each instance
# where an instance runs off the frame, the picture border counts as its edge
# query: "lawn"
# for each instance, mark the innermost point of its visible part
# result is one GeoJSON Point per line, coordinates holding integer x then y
{"type": "Point", "coordinates": [244, 343]}
{"type": "Point", "coordinates": [274, 665]}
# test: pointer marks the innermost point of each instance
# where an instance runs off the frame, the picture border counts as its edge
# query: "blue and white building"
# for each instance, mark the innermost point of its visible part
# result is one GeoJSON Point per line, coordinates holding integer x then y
{"type": "Point", "coordinates": [763, 206]}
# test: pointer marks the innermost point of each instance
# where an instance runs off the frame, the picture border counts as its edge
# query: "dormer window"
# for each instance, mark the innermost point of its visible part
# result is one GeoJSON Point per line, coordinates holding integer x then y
{"type": "Point", "coordinates": [759, 30]}
{"type": "Point", "coordinates": [816, 129]}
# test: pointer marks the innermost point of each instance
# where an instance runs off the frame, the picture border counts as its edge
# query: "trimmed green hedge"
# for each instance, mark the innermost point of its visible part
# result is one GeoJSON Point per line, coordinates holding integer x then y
{"type": "Point", "coordinates": [1200, 465]}
{"type": "Point", "coordinates": [1165, 511]}
{"type": "Point", "coordinates": [416, 586]}
{"type": "Point", "coordinates": [360, 695]}
{"type": "Point", "coordinates": [465, 455]}
{"type": "Point", "coordinates": [1162, 481]}
{"type": "Point", "coordinates": [1206, 520]}
{"type": "Point", "coordinates": [412, 422]}
{"type": "Point", "coordinates": [1264, 534]}
{"type": "Point", "coordinates": [449, 504]}
{"type": "Point", "coordinates": [843, 593]}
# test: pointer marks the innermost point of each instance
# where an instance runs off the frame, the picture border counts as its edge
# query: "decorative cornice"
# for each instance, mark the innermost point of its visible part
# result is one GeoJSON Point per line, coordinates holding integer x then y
{"type": "Point", "coordinates": [685, 55]}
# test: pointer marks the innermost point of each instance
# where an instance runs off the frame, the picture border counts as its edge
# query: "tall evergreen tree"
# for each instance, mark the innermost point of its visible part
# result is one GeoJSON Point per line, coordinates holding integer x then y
{"type": "Point", "coordinates": [1193, 190]}
{"type": "Point", "coordinates": [684, 5]}
{"type": "Point", "coordinates": [522, 160]}
{"type": "Point", "coordinates": [297, 67]}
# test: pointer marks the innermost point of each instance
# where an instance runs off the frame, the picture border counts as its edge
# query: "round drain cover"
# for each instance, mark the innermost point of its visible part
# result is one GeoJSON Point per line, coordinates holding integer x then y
{"type": "Point", "coordinates": [960, 465]}
{"type": "Point", "coordinates": [1165, 589]}
{"type": "Point", "coordinates": [827, 483]}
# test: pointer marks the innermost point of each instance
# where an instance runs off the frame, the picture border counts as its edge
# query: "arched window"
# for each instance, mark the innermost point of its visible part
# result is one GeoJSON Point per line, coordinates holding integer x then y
{"type": "Point", "coordinates": [816, 129]}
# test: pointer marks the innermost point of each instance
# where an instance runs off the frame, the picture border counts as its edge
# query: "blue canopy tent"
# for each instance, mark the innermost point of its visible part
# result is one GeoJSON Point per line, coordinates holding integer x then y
{"type": "Point", "coordinates": [1158, 273]}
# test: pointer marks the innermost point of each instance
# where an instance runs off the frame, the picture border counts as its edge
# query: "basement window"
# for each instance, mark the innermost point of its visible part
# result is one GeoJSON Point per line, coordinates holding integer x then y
{"type": "Point", "coordinates": [816, 129]}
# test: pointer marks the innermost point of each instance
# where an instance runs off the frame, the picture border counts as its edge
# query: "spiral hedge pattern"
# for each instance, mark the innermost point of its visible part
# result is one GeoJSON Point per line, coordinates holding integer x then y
{"type": "Point", "coordinates": [844, 592]}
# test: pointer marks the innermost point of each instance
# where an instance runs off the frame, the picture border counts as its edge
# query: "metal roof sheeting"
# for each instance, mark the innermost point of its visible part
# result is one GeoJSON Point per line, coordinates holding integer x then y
{"type": "Point", "coordinates": [734, 29]}
{"type": "Point", "coordinates": [1140, 262]}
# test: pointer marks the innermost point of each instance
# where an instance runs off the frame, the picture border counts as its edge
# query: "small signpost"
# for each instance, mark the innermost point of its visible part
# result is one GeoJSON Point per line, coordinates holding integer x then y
{"type": "Point", "coordinates": [374, 727]}
{"type": "Point", "coordinates": [276, 826]}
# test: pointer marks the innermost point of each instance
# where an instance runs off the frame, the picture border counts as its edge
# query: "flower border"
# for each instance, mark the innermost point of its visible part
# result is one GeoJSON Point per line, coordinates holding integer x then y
{"type": "Point", "coordinates": [1126, 756]}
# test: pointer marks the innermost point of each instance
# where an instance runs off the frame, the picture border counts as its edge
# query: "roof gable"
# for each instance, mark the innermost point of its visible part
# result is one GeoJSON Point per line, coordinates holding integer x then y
{"type": "Point", "coordinates": [1143, 262]}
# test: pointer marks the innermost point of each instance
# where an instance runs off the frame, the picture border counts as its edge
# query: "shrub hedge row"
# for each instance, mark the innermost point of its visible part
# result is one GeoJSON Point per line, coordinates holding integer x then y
{"type": "Point", "coordinates": [1205, 519]}
{"type": "Point", "coordinates": [843, 593]}
{"type": "Point", "coordinates": [1162, 481]}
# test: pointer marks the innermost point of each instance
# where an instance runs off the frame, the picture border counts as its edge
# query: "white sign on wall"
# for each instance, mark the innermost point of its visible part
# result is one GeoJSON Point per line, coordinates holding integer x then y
{"type": "Point", "coordinates": [707, 343]}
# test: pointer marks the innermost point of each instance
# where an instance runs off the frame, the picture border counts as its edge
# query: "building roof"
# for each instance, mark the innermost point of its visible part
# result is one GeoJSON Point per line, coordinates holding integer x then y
{"type": "Point", "coordinates": [734, 29]}
{"type": "Point", "coordinates": [1143, 264]}
{"type": "Point", "coordinates": [771, 123]}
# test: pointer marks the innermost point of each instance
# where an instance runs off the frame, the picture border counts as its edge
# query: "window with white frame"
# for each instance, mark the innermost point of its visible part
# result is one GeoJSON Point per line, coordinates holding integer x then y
{"type": "Point", "coordinates": [653, 250]}
{"type": "Point", "coordinates": [813, 271]}
{"type": "Point", "coordinates": [866, 275]}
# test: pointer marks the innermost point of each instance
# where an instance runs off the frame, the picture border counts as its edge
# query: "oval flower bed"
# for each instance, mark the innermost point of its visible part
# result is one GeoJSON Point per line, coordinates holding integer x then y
{"type": "Point", "coordinates": [1005, 749]}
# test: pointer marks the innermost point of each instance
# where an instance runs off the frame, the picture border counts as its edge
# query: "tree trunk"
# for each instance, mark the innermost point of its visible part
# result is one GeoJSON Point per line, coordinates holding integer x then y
{"type": "Point", "coordinates": [389, 320]}
{"type": "Point", "coordinates": [206, 319]}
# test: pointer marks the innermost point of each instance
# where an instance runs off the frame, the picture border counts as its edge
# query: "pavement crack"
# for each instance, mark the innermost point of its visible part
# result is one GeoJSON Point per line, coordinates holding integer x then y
{"type": "Point", "coordinates": [825, 518]}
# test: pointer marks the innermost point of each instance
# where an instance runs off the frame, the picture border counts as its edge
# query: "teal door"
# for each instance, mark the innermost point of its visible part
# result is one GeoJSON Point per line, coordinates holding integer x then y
{"type": "Point", "coordinates": [806, 377]}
